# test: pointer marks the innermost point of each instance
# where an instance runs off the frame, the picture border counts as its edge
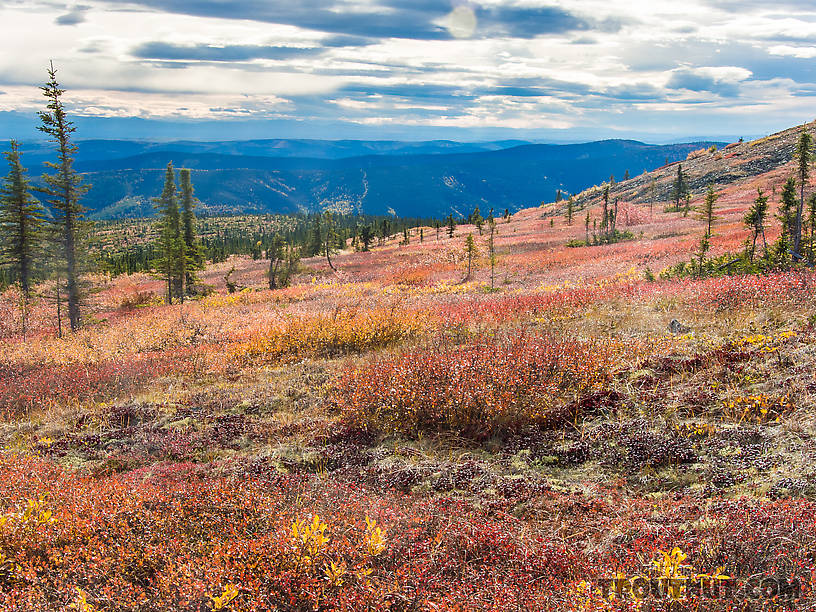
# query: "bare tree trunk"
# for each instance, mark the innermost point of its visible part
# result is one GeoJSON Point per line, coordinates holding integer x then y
{"type": "Point", "coordinates": [24, 313]}
{"type": "Point", "coordinates": [59, 310]}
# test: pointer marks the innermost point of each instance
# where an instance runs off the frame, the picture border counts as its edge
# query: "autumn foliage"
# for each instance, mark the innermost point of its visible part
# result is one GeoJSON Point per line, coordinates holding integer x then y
{"type": "Point", "coordinates": [487, 386]}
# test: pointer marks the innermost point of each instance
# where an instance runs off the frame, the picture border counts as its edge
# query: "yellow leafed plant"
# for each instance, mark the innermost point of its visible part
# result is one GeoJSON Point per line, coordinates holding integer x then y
{"type": "Point", "coordinates": [220, 602]}
{"type": "Point", "coordinates": [375, 542]}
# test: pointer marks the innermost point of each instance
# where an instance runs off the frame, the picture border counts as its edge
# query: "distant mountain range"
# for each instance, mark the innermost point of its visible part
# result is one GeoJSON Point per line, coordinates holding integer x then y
{"type": "Point", "coordinates": [432, 178]}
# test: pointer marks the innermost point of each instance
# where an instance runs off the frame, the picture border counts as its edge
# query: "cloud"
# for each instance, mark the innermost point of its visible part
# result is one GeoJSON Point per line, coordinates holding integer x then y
{"type": "Point", "coordinates": [719, 81]}
{"type": "Point", "coordinates": [633, 92]}
{"type": "Point", "coordinates": [522, 22]}
{"type": "Point", "coordinates": [406, 19]}
{"type": "Point", "coordinates": [390, 20]}
{"type": "Point", "coordinates": [501, 63]}
{"type": "Point", "coordinates": [214, 53]}
{"type": "Point", "coordinates": [73, 17]}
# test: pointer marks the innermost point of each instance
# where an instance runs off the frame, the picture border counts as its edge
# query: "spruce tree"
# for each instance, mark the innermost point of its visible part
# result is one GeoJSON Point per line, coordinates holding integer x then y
{"type": "Point", "coordinates": [470, 251]}
{"type": "Point", "coordinates": [330, 237]}
{"type": "Point", "coordinates": [787, 218]}
{"type": "Point", "coordinates": [451, 226]}
{"type": "Point", "coordinates": [812, 224]}
{"type": "Point", "coordinates": [804, 156]}
{"type": "Point", "coordinates": [283, 260]}
{"type": "Point", "coordinates": [570, 209]}
{"type": "Point", "coordinates": [680, 190]}
{"type": "Point", "coordinates": [21, 222]}
{"type": "Point", "coordinates": [63, 190]}
{"type": "Point", "coordinates": [172, 261]}
{"type": "Point", "coordinates": [755, 220]}
{"type": "Point", "coordinates": [707, 210]}
{"type": "Point", "coordinates": [366, 237]}
{"type": "Point", "coordinates": [192, 246]}
{"type": "Point", "coordinates": [315, 243]}
{"type": "Point", "coordinates": [491, 245]}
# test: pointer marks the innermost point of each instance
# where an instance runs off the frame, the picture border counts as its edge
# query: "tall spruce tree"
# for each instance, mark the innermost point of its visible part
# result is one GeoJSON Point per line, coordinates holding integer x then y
{"type": "Point", "coordinates": [787, 218]}
{"type": "Point", "coordinates": [314, 245]}
{"type": "Point", "coordinates": [804, 155]}
{"type": "Point", "coordinates": [192, 245]}
{"type": "Point", "coordinates": [172, 262]}
{"type": "Point", "coordinates": [63, 190]}
{"type": "Point", "coordinates": [21, 222]}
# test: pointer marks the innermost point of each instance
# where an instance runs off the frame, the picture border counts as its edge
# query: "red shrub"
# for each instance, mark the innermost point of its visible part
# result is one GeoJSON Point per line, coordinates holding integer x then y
{"type": "Point", "coordinates": [486, 387]}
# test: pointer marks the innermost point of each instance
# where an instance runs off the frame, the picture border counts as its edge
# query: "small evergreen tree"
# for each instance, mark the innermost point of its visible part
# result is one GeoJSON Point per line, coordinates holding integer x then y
{"type": "Point", "coordinates": [680, 190]}
{"type": "Point", "coordinates": [787, 217]}
{"type": "Point", "coordinates": [366, 237]}
{"type": "Point", "coordinates": [755, 220]}
{"type": "Point", "coordinates": [451, 226]}
{"type": "Point", "coordinates": [330, 237]}
{"type": "Point", "coordinates": [707, 209]}
{"type": "Point", "coordinates": [702, 250]}
{"type": "Point", "coordinates": [570, 209]}
{"type": "Point", "coordinates": [605, 217]}
{"type": "Point", "coordinates": [172, 262]}
{"type": "Point", "coordinates": [470, 251]}
{"type": "Point", "coordinates": [283, 259]}
{"type": "Point", "coordinates": [21, 225]}
{"type": "Point", "coordinates": [314, 245]}
{"type": "Point", "coordinates": [812, 224]}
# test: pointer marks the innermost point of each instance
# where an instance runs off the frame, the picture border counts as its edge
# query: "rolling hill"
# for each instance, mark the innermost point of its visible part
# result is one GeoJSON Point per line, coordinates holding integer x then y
{"type": "Point", "coordinates": [401, 182]}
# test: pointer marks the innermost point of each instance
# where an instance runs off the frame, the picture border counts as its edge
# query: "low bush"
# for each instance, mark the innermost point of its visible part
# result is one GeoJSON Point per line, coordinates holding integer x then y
{"type": "Point", "coordinates": [488, 386]}
{"type": "Point", "coordinates": [328, 336]}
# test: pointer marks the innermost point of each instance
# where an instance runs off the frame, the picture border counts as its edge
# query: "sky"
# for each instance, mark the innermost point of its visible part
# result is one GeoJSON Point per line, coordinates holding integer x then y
{"type": "Point", "coordinates": [655, 70]}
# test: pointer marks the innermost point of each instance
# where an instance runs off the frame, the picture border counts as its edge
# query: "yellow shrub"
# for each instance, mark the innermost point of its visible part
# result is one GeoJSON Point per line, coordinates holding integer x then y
{"type": "Point", "coordinates": [331, 336]}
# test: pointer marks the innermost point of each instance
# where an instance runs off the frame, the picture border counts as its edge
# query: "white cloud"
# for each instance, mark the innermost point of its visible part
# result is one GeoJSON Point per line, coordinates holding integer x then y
{"type": "Point", "coordinates": [683, 65]}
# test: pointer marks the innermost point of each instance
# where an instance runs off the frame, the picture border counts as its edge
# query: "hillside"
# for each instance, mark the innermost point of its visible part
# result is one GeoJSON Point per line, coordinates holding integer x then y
{"type": "Point", "coordinates": [735, 164]}
{"type": "Point", "coordinates": [395, 434]}
{"type": "Point", "coordinates": [405, 184]}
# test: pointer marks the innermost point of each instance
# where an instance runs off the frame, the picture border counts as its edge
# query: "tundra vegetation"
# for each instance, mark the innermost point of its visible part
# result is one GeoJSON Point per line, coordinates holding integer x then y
{"type": "Point", "coordinates": [342, 415]}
